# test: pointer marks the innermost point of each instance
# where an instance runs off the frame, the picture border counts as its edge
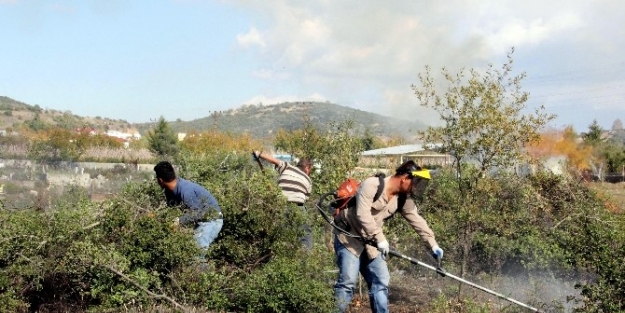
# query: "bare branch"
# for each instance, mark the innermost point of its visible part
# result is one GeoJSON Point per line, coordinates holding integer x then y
{"type": "Point", "coordinates": [150, 293]}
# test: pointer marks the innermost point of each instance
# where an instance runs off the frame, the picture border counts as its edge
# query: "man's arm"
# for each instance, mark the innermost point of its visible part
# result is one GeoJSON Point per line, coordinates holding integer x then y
{"type": "Point", "coordinates": [267, 157]}
{"type": "Point", "coordinates": [418, 223]}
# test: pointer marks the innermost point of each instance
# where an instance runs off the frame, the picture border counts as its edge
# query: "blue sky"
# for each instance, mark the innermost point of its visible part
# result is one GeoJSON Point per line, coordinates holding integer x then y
{"type": "Point", "coordinates": [138, 60]}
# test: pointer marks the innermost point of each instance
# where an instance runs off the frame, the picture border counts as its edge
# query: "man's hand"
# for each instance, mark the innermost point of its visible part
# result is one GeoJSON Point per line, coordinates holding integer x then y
{"type": "Point", "coordinates": [256, 156]}
{"type": "Point", "coordinates": [437, 253]}
{"type": "Point", "coordinates": [384, 248]}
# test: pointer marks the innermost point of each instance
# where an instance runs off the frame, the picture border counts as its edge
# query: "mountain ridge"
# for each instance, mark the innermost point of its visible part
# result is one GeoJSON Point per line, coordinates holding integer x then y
{"type": "Point", "coordinates": [261, 121]}
{"type": "Point", "coordinates": [257, 120]}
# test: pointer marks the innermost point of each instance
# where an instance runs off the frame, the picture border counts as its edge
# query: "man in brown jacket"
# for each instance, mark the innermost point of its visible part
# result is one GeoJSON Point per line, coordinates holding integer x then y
{"type": "Point", "coordinates": [366, 220]}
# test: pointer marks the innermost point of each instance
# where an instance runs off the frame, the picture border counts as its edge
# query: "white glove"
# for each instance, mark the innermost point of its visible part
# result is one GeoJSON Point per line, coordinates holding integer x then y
{"type": "Point", "coordinates": [437, 253]}
{"type": "Point", "coordinates": [383, 247]}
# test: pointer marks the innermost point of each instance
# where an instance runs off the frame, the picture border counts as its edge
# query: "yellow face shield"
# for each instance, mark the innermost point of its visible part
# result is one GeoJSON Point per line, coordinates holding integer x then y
{"type": "Point", "coordinates": [425, 174]}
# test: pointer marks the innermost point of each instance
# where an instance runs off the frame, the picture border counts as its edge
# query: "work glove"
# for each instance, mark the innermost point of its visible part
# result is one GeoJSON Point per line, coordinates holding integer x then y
{"type": "Point", "coordinates": [383, 247]}
{"type": "Point", "coordinates": [437, 253]}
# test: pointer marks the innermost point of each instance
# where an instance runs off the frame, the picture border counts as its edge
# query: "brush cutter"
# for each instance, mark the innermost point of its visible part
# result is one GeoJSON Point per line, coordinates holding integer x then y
{"type": "Point", "coordinates": [438, 269]}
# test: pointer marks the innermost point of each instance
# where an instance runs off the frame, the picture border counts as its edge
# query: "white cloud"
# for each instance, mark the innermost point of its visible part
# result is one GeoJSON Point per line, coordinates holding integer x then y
{"type": "Point", "coordinates": [252, 38]}
{"type": "Point", "coordinates": [522, 32]}
{"type": "Point", "coordinates": [368, 55]}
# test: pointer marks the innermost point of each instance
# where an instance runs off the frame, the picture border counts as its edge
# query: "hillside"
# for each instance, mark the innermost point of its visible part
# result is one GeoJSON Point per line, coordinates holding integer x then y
{"type": "Point", "coordinates": [16, 115]}
{"type": "Point", "coordinates": [261, 121]}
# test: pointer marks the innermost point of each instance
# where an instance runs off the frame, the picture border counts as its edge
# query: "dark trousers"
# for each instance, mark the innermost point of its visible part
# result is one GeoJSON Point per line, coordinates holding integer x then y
{"type": "Point", "coordinates": [307, 239]}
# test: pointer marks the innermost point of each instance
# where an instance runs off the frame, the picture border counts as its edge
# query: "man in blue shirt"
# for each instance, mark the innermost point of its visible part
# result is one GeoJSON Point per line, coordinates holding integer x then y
{"type": "Point", "coordinates": [200, 209]}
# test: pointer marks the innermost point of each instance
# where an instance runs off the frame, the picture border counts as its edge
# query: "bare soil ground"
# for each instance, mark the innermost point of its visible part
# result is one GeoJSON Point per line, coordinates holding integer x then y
{"type": "Point", "coordinates": [419, 294]}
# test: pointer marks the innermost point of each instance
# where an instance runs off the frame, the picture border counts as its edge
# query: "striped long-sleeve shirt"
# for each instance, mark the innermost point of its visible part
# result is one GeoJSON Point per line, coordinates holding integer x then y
{"type": "Point", "coordinates": [294, 183]}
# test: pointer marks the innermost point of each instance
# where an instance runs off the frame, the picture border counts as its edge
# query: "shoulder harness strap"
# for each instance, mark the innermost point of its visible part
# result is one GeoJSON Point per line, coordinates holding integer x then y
{"type": "Point", "coordinates": [378, 193]}
{"type": "Point", "coordinates": [401, 201]}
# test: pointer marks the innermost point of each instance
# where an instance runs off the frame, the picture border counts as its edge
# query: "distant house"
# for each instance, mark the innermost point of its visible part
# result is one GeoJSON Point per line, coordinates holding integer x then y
{"type": "Point", "coordinates": [86, 130]}
{"type": "Point", "coordinates": [398, 154]}
{"type": "Point", "coordinates": [123, 135]}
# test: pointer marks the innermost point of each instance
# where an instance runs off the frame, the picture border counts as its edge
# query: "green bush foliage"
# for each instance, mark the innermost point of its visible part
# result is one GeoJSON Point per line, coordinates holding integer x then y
{"type": "Point", "coordinates": [124, 253]}
{"type": "Point", "coordinates": [520, 226]}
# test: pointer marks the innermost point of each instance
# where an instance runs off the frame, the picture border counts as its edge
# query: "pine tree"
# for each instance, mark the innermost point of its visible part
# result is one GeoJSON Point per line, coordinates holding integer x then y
{"type": "Point", "coordinates": [593, 136]}
{"type": "Point", "coordinates": [162, 140]}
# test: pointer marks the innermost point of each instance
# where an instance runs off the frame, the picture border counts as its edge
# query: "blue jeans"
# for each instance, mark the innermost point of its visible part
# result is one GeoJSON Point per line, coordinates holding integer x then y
{"type": "Point", "coordinates": [307, 238]}
{"type": "Point", "coordinates": [375, 272]}
{"type": "Point", "coordinates": [206, 232]}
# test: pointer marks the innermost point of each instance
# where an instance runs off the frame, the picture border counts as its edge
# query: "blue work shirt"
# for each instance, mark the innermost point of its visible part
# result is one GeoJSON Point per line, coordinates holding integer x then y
{"type": "Point", "coordinates": [196, 199]}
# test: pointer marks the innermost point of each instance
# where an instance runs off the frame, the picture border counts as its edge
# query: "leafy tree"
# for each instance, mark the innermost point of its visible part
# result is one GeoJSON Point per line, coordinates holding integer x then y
{"type": "Point", "coordinates": [614, 154]}
{"type": "Point", "coordinates": [617, 125]}
{"type": "Point", "coordinates": [99, 140]}
{"type": "Point", "coordinates": [482, 116]}
{"type": "Point", "coordinates": [56, 145]}
{"type": "Point", "coordinates": [162, 140]}
{"type": "Point", "coordinates": [370, 142]}
{"type": "Point", "coordinates": [483, 129]}
{"type": "Point", "coordinates": [593, 136]}
{"type": "Point", "coordinates": [562, 143]}
{"type": "Point", "coordinates": [213, 141]}
{"type": "Point", "coordinates": [336, 151]}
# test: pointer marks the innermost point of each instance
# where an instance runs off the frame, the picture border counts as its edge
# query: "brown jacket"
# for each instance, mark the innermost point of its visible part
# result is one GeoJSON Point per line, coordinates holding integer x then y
{"type": "Point", "coordinates": [366, 218]}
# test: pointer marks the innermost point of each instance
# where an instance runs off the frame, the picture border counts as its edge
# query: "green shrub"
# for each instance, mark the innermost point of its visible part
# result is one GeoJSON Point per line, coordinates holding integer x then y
{"type": "Point", "coordinates": [286, 284]}
{"type": "Point", "coordinates": [512, 225]}
{"type": "Point", "coordinates": [123, 252]}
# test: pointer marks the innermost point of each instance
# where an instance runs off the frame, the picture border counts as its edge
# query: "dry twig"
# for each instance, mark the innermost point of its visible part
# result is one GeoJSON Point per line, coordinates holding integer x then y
{"type": "Point", "coordinates": [150, 293]}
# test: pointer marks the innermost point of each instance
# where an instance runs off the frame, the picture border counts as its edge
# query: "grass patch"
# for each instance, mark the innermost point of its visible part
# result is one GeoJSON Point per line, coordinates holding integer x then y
{"type": "Point", "coordinates": [613, 193]}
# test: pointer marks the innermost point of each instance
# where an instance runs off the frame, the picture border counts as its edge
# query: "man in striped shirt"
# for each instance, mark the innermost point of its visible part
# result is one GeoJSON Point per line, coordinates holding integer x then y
{"type": "Point", "coordinates": [295, 185]}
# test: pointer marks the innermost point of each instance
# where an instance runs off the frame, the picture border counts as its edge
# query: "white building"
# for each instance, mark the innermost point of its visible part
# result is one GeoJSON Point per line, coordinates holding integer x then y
{"type": "Point", "coordinates": [398, 154]}
{"type": "Point", "coordinates": [122, 135]}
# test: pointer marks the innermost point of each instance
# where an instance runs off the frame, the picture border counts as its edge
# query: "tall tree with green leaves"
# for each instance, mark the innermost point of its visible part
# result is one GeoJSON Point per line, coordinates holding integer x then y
{"type": "Point", "coordinates": [593, 136]}
{"type": "Point", "coordinates": [56, 145]}
{"type": "Point", "coordinates": [162, 140]}
{"type": "Point", "coordinates": [483, 128]}
{"type": "Point", "coordinates": [614, 155]}
{"type": "Point", "coordinates": [336, 150]}
{"type": "Point", "coordinates": [482, 116]}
